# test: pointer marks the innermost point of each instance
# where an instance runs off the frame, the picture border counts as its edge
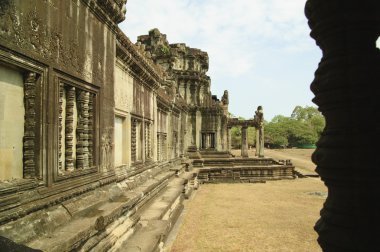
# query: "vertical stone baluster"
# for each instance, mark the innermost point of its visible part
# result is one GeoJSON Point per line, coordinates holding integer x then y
{"type": "Point", "coordinates": [159, 147]}
{"type": "Point", "coordinates": [86, 129]}
{"type": "Point", "coordinates": [148, 138]}
{"type": "Point", "coordinates": [229, 138]}
{"type": "Point", "coordinates": [133, 140]}
{"type": "Point", "coordinates": [244, 141]}
{"type": "Point", "coordinates": [69, 130]}
{"type": "Point", "coordinates": [80, 131]}
{"type": "Point", "coordinates": [60, 127]}
{"type": "Point", "coordinates": [30, 125]}
{"type": "Point", "coordinates": [346, 88]}
{"type": "Point", "coordinates": [90, 129]}
{"type": "Point", "coordinates": [164, 147]}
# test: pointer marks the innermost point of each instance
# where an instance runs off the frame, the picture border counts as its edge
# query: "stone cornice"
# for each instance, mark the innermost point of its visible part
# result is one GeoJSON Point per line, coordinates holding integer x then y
{"type": "Point", "coordinates": [191, 75]}
{"type": "Point", "coordinates": [108, 10]}
{"type": "Point", "coordinates": [138, 62]}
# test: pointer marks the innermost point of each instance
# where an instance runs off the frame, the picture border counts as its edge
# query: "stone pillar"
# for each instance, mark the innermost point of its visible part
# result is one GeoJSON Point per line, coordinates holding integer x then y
{"type": "Point", "coordinates": [244, 141]}
{"type": "Point", "coordinates": [346, 88]}
{"type": "Point", "coordinates": [194, 128]}
{"type": "Point", "coordinates": [229, 139]}
{"type": "Point", "coordinates": [69, 129]}
{"type": "Point", "coordinates": [30, 125]}
{"type": "Point", "coordinates": [142, 141]}
{"type": "Point", "coordinates": [193, 94]}
{"type": "Point", "coordinates": [260, 142]}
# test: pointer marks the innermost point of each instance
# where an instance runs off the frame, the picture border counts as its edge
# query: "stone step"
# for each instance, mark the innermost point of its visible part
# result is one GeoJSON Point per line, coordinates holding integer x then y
{"type": "Point", "coordinates": [102, 223]}
{"type": "Point", "coordinates": [159, 216]}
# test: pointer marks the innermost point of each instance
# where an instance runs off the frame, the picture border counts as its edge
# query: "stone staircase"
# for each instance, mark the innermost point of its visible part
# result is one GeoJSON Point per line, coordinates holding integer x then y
{"type": "Point", "coordinates": [135, 214]}
{"type": "Point", "coordinates": [158, 218]}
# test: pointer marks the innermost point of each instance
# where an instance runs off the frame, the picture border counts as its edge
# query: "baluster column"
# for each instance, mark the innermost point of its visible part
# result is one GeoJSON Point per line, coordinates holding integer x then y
{"type": "Point", "coordinates": [346, 88]}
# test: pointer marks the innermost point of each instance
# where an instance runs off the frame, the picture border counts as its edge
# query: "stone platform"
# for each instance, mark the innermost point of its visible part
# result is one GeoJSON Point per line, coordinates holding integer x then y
{"type": "Point", "coordinates": [223, 169]}
{"type": "Point", "coordinates": [135, 214]}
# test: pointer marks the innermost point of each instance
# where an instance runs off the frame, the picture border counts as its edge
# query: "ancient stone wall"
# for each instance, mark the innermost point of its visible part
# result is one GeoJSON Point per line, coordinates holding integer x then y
{"type": "Point", "coordinates": [57, 61]}
{"type": "Point", "coordinates": [84, 112]}
{"type": "Point", "coordinates": [187, 68]}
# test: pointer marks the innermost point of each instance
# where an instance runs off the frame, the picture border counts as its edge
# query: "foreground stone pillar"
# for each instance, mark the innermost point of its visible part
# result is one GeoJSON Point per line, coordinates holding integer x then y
{"type": "Point", "coordinates": [260, 142]}
{"type": "Point", "coordinates": [229, 139]}
{"type": "Point", "coordinates": [346, 88]}
{"type": "Point", "coordinates": [244, 142]}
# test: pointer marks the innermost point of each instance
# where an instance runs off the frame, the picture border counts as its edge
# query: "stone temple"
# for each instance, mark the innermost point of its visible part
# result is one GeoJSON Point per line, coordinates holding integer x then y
{"type": "Point", "coordinates": [101, 139]}
{"type": "Point", "coordinates": [99, 136]}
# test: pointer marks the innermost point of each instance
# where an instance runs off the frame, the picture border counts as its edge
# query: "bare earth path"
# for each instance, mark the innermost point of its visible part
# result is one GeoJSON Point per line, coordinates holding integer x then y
{"type": "Point", "coordinates": [275, 216]}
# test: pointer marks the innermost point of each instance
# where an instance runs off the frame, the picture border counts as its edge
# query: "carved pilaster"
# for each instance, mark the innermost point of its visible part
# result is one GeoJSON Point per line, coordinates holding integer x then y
{"type": "Point", "coordinates": [164, 147]}
{"type": "Point", "coordinates": [30, 125]}
{"type": "Point", "coordinates": [69, 129]}
{"type": "Point", "coordinates": [244, 142]}
{"type": "Point", "coordinates": [90, 129]}
{"type": "Point", "coordinates": [346, 88]}
{"type": "Point", "coordinates": [85, 114]}
{"type": "Point", "coordinates": [133, 140]}
{"type": "Point", "coordinates": [175, 144]}
{"type": "Point", "coordinates": [159, 149]}
{"type": "Point", "coordinates": [148, 147]}
{"type": "Point", "coordinates": [229, 138]}
{"type": "Point", "coordinates": [82, 130]}
{"type": "Point", "coordinates": [60, 127]}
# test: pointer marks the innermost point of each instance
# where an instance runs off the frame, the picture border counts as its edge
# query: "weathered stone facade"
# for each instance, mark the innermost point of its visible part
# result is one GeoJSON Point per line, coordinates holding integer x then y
{"type": "Point", "coordinates": [93, 127]}
{"type": "Point", "coordinates": [185, 71]}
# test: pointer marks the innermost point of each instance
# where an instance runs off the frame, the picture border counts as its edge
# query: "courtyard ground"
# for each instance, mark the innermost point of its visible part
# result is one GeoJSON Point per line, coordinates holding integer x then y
{"type": "Point", "coordinates": [275, 216]}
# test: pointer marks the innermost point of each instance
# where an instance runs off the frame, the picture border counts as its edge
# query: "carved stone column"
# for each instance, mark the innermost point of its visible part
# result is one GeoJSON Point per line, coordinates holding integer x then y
{"type": "Point", "coordinates": [193, 93]}
{"type": "Point", "coordinates": [90, 129]}
{"type": "Point", "coordinates": [143, 141]}
{"type": "Point", "coordinates": [244, 141]}
{"type": "Point", "coordinates": [194, 128]}
{"type": "Point", "coordinates": [229, 139]}
{"type": "Point", "coordinates": [69, 129]}
{"type": "Point", "coordinates": [259, 141]}
{"type": "Point", "coordinates": [30, 125]}
{"type": "Point", "coordinates": [133, 140]}
{"type": "Point", "coordinates": [346, 88]}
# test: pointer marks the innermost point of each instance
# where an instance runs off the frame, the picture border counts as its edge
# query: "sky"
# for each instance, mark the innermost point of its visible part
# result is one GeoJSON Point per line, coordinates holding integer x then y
{"type": "Point", "coordinates": [259, 50]}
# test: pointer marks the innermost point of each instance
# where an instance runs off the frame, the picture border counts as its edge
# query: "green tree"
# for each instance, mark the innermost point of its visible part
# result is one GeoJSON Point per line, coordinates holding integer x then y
{"type": "Point", "coordinates": [236, 137]}
{"type": "Point", "coordinates": [311, 116]}
{"type": "Point", "coordinates": [304, 126]}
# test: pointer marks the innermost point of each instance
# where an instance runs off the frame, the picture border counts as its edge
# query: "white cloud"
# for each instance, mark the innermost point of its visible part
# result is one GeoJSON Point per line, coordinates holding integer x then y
{"type": "Point", "coordinates": [227, 30]}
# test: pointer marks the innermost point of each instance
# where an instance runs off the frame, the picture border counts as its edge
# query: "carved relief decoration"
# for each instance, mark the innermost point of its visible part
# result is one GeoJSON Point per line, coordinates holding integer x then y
{"type": "Point", "coordinates": [60, 127]}
{"type": "Point", "coordinates": [133, 140]}
{"type": "Point", "coordinates": [76, 129]}
{"type": "Point", "coordinates": [159, 150]}
{"type": "Point", "coordinates": [148, 141]}
{"type": "Point", "coordinates": [69, 128]}
{"type": "Point", "coordinates": [30, 125]}
{"type": "Point", "coordinates": [107, 149]}
{"type": "Point", "coordinates": [33, 33]}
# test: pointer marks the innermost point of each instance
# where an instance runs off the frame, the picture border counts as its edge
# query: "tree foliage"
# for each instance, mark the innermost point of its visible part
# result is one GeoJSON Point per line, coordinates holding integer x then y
{"type": "Point", "coordinates": [304, 126]}
{"type": "Point", "coordinates": [236, 135]}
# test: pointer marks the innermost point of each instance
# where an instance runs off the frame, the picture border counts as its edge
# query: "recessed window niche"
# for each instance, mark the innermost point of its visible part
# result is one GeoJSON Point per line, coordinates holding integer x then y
{"type": "Point", "coordinates": [76, 129]}
{"type": "Point", "coordinates": [12, 114]}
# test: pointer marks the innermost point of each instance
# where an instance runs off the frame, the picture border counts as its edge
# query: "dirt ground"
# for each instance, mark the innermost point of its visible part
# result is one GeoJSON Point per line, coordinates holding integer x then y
{"type": "Point", "coordinates": [275, 216]}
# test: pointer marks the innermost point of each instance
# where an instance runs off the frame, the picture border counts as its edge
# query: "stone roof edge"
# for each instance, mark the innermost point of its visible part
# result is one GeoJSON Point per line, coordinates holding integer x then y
{"type": "Point", "coordinates": [133, 56]}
